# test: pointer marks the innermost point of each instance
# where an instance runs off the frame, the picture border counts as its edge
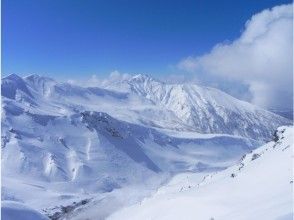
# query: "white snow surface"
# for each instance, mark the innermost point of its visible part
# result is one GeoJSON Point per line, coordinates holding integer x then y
{"type": "Point", "coordinates": [71, 152]}
{"type": "Point", "coordinates": [258, 187]}
{"type": "Point", "coordinates": [16, 211]}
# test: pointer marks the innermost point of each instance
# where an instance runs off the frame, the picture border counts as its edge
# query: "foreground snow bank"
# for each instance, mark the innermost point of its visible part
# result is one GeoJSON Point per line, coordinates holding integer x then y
{"type": "Point", "coordinates": [15, 211]}
{"type": "Point", "coordinates": [259, 187]}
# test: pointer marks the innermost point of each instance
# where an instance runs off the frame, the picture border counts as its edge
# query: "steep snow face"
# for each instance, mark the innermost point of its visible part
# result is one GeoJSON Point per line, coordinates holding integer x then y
{"type": "Point", "coordinates": [147, 102]}
{"type": "Point", "coordinates": [258, 187]}
{"type": "Point", "coordinates": [207, 110]}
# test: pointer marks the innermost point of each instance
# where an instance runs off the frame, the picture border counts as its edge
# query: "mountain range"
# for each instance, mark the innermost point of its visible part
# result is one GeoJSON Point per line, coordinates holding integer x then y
{"type": "Point", "coordinates": [110, 146]}
{"type": "Point", "coordinates": [146, 101]}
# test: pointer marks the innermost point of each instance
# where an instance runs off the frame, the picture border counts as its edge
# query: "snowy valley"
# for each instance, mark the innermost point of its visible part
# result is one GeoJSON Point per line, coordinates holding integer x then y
{"type": "Point", "coordinates": [140, 149]}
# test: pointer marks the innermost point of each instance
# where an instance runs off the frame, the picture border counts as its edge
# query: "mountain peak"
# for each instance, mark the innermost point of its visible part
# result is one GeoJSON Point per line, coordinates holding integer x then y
{"type": "Point", "coordinates": [38, 78]}
{"type": "Point", "coordinates": [143, 78]}
{"type": "Point", "coordinates": [11, 84]}
{"type": "Point", "coordinates": [13, 77]}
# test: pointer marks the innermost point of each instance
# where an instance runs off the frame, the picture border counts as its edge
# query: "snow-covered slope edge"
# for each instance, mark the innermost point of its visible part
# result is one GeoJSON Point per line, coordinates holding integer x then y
{"type": "Point", "coordinates": [258, 187]}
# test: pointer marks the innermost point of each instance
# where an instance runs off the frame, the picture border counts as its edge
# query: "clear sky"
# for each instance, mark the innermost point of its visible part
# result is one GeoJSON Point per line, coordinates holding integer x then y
{"type": "Point", "coordinates": [61, 38]}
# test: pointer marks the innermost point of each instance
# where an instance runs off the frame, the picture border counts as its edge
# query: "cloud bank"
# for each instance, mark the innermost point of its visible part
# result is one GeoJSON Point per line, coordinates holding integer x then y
{"type": "Point", "coordinates": [261, 59]}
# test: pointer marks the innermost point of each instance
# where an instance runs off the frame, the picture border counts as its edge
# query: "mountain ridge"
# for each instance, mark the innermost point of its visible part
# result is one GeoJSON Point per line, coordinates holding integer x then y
{"type": "Point", "coordinates": [178, 106]}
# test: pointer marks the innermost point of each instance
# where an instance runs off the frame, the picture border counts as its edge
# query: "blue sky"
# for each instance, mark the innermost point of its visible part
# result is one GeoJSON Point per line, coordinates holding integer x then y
{"type": "Point", "coordinates": [74, 38]}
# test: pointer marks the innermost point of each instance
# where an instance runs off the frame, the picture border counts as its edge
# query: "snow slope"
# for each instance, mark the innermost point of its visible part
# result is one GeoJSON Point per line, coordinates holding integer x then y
{"type": "Point", "coordinates": [258, 187]}
{"type": "Point", "coordinates": [66, 159]}
{"type": "Point", "coordinates": [16, 211]}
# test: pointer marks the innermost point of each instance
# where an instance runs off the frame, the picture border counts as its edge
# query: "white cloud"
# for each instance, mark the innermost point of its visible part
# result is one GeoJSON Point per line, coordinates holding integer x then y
{"type": "Point", "coordinates": [96, 81]}
{"type": "Point", "coordinates": [261, 58]}
{"type": "Point", "coordinates": [116, 75]}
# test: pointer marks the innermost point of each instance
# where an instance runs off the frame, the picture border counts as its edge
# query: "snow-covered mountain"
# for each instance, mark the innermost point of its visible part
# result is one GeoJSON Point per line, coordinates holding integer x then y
{"type": "Point", "coordinates": [147, 102]}
{"type": "Point", "coordinates": [258, 187]}
{"type": "Point", "coordinates": [207, 110]}
{"type": "Point", "coordinates": [82, 147]}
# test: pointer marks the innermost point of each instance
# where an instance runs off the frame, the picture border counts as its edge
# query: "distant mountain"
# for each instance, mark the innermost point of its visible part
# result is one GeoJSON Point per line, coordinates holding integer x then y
{"type": "Point", "coordinates": [144, 100]}
{"type": "Point", "coordinates": [206, 110]}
